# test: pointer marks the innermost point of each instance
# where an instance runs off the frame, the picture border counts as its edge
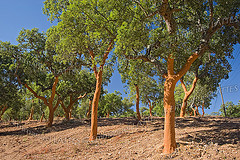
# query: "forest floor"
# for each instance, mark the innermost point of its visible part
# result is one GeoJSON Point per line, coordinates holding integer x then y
{"type": "Point", "coordinates": [120, 138]}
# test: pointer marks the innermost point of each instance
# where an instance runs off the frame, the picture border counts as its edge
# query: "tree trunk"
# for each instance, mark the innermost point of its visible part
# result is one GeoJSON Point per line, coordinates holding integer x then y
{"type": "Point", "coordinates": [191, 113]}
{"type": "Point", "coordinates": [70, 114]}
{"type": "Point", "coordinates": [2, 111]}
{"type": "Point", "coordinates": [169, 109]}
{"type": "Point", "coordinates": [187, 95]}
{"type": "Point", "coordinates": [50, 117]}
{"type": "Point", "coordinates": [203, 109]}
{"type": "Point", "coordinates": [184, 106]}
{"type": "Point", "coordinates": [67, 114]}
{"type": "Point", "coordinates": [150, 107]}
{"type": "Point", "coordinates": [98, 76]}
{"type": "Point", "coordinates": [42, 117]}
{"type": "Point", "coordinates": [89, 109]}
{"type": "Point", "coordinates": [93, 134]}
{"type": "Point", "coordinates": [31, 114]}
{"type": "Point", "coordinates": [66, 111]}
{"type": "Point", "coordinates": [137, 102]}
{"type": "Point", "coordinates": [194, 112]}
{"type": "Point", "coordinates": [197, 111]}
{"type": "Point", "coordinates": [107, 116]}
{"type": "Point", "coordinates": [150, 111]}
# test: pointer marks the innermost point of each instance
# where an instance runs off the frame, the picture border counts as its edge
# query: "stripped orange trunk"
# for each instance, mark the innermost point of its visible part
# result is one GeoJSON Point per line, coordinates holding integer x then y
{"type": "Point", "coordinates": [68, 109]}
{"type": "Point", "coordinates": [203, 109]}
{"type": "Point", "coordinates": [169, 101]}
{"type": "Point", "coordinates": [42, 117]}
{"type": "Point", "coordinates": [31, 114]}
{"type": "Point", "coordinates": [108, 114]}
{"type": "Point", "coordinates": [50, 116]}
{"type": "Point", "coordinates": [50, 104]}
{"type": "Point", "coordinates": [89, 109]}
{"type": "Point", "coordinates": [194, 112]}
{"type": "Point", "coordinates": [150, 107]}
{"type": "Point", "coordinates": [150, 110]}
{"type": "Point", "coordinates": [169, 109]}
{"type": "Point", "coordinates": [197, 111]}
{"type": "Point", "coordinates": [2, 111]}
{"type": "Point", "coordinates": [137, 102]}
{"type": "Point", "coordinates": [67, 113]}
{"type": "Point", "coordinates": [187, 95]}
{"type": "Point", "coordinates": [93, 134]}
{"type": "Point", "coordinates": [98, 76]}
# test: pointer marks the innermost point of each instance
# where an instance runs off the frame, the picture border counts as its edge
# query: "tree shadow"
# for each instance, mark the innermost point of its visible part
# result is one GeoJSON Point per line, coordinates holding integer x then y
{"type": "Point", "coordinates": [42, 129]}
{"type": "Point", "coordinates": [11, 124]}
{"type": "Point", "coordinates": [195, 121]}
{"type": "Point", "coordinates": [64, 125]}
{"type": "Point", "coordinates": [222, 132]}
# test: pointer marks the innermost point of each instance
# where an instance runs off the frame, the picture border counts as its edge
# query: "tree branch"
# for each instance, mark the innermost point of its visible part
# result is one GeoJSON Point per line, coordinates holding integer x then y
{"type": "Point", "coordinates": [141, 7]}
{"type": "Point", "coordinates": [105, 56]}
{"type": "Point", "coordinates": [53, 90]}
{"type": "Point", "coordinates": [93, 57]}
{"type": "Point", "coordinates": [204, 42]}
{"type": "Point", "coordinates": [80, 97]}
{"type": "Point", "coordinates": [187, 65]}
{"type": "Point", "coordinates": [146, 59]}
{"type": "Point", "coordinates": [36, 95]}
{"type": "Point", "coordinates": [170, 65]}
{"type": "Point", "coordinates": [100, 26]}
{"type": "Point", "coordinates": [211, 11]}
{"type": "Point", "coordinates": [183, 85]}
{"type": "Point", "coordinates": [63, 106]}
{"type": "Point", "coordinates": [43, 88]}
{"type": "Point", "coordinates": [56, 105]}
{"type": "Point", "coordinates": [193, 85]}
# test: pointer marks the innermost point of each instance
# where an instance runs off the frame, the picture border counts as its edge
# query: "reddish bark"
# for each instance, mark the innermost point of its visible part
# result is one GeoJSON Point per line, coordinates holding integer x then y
{"type": "Point", "coordinates": [98, 75]}
{"type": "Point", "coordinates": [197, 111]}
{"type": "Point", "coordinates": [68, 109]}
{"type": "Point", "coordinates": [194, 112]}
{"type": "Point", "coordinates": [93, 134]}
{"type": "Point", "coordinates": [187, 95]}
{"type": "Point", "coordinates": [203, 109]}
{"type": "Point", "coordinates": [89, 109]}
{"type": "Point", "coordinates": [48, 102]}
{"type": "Point", "coordinates": [169, 101]}
{"type": "Point", "coordinates": [31, 114]}
{"type": "Point", "coordinates": [169, 109]}
{"type": "Point", "coordinates": [42, 117]}
{"type": "Point", "coordinates": [108, 114]}
{"type": "Point", "coordinates": [3, 109]}
{"type": "Point", "coordinates": [191, 113]}
{"type": "Point", "coordinates": [150, 106]}
{"type": "Point", "coordinates": [137, 102]}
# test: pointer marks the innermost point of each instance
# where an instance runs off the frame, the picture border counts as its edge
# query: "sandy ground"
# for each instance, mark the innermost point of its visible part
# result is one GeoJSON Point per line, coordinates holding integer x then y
{"type": "Point", "coordinates": [120, 138]}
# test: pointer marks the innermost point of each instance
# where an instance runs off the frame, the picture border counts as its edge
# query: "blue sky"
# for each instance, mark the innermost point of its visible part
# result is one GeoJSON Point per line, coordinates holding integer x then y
{"type": "Point", "coordinates": [18, 14]}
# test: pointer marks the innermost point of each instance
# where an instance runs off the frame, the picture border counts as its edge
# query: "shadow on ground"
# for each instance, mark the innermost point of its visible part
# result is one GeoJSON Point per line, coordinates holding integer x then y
{"type": "Point", "coordinates": [221, 131]}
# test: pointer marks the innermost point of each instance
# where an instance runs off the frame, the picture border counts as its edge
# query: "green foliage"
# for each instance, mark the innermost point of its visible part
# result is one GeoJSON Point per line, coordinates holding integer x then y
{"type": "Point", "coordinates": [144, 111]}
{"type": "Point", "coordinates": [110, 103]}
{"type": "Point", "coordinates": [232, 110]}
{"type": "Point", "coordinates": [54, 8]}
{"type": "Point", "coordinates": [215, 114]}
{"type": "Point", "coordinates": [158, 109]}
{"type": "Point", "coordinates": [81, 110]}
{"type": "Point", "coordinates": [127, 110]}
{"type": "Point", "coordinates": [10, 94]}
